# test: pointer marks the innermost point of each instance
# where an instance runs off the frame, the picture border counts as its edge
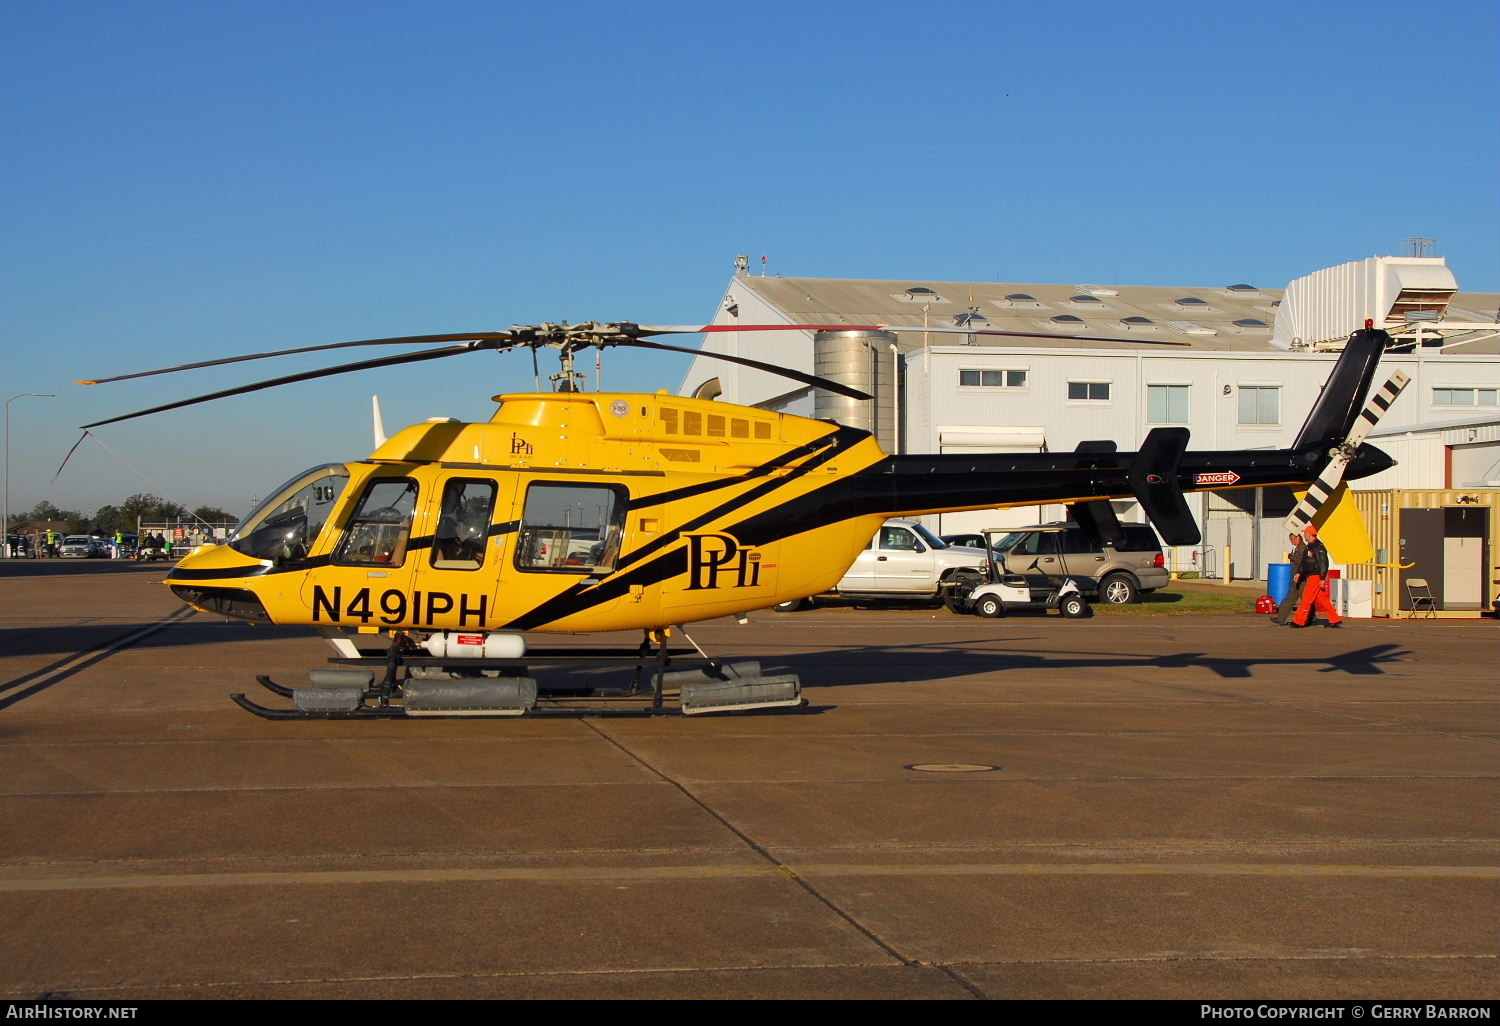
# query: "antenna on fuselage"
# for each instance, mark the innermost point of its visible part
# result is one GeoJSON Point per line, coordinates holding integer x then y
{"type": "Point", "coordinates": [379, 421]}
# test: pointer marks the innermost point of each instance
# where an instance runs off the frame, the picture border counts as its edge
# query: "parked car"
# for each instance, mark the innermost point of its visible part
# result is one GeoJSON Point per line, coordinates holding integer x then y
{"type": "Point", "coordinates": [1137, 567]}
{"type": "Point", "coordinates": [904, 560]}
{"type": "Point", "coordinates": [81, 546]}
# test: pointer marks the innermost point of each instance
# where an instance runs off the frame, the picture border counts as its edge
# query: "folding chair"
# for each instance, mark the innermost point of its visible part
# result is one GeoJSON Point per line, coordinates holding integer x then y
{"type": "Point", "coordinates": [1420, 596]}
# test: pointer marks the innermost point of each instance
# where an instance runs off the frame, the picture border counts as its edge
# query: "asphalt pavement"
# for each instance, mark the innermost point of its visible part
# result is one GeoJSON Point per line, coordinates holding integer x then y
{"type": "Point", "coordinates": [1192, 807]}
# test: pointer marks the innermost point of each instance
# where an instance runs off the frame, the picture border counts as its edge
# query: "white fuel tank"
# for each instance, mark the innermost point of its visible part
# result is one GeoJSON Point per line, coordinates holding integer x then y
{"type": "Point", "coordinates": [468, 645]}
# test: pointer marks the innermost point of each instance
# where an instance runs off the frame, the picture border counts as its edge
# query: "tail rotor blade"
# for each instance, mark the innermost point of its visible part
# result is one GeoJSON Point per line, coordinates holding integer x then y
{"type": "Point", "coordinates": [1319, 492]}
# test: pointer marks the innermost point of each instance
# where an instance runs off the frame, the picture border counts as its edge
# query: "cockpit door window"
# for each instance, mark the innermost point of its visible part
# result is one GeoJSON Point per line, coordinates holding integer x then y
{"type": "Point", "coordinates": [380, 529]}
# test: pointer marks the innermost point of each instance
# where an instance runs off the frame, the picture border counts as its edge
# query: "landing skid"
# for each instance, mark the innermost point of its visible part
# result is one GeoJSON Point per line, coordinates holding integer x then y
{"type": "Point", "coordinates": [414, 685]}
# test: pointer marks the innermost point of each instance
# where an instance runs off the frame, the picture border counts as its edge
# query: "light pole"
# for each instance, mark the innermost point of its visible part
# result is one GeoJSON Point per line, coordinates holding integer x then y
{"type": "Point", "coordinates": [5, 511]}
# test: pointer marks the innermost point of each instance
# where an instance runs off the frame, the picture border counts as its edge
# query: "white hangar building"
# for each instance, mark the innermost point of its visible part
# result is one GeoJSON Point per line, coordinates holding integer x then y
{"type": "Point", "coordinates": [1254, 363]}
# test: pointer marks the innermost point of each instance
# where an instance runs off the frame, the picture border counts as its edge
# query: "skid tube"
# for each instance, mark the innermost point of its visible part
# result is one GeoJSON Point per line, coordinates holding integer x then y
{"type": "Point", "coordinates": [434, 692]}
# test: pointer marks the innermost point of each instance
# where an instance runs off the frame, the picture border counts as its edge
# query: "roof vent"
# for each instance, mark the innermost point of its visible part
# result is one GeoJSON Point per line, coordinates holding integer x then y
{"type": "Point", "coordinates": [918, 294]}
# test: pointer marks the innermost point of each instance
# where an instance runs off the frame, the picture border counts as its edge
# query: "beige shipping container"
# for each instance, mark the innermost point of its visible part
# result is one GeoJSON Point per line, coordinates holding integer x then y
{"type": "Point", "coordinates": [1446, 537]}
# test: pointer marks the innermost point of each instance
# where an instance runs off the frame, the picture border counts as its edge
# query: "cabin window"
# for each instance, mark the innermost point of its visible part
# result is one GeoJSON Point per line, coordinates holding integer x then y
{"type": "Point", "coordinates": [285, 526]}
{"type": "Point", "coordinates": [463, 525]}
{"type": "Point", "coordinates": [380, 529]}
{"type": "Point", "coordinates": [571, 528]}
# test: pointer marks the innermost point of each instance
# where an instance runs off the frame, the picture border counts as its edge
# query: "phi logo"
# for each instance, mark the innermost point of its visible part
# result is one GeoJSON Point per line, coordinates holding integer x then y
{"type": "Point", "coordinates": [714, 559]}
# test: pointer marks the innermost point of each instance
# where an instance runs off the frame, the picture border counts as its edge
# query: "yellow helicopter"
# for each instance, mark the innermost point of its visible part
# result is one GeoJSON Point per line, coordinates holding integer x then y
{"type": "Point", "coordinates": [573, 511]}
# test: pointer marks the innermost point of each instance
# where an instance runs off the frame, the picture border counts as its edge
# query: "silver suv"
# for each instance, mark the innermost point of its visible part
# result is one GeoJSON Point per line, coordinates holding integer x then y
{"type": "Point", "coordinates": [1136, 567]}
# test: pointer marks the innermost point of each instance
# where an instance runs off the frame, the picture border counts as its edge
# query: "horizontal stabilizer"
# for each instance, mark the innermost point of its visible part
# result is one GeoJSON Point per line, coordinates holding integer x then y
{"type": "Point", "coordinates": [1098, 521]}
{"type": "Point", "coordinates": [1153, 478]}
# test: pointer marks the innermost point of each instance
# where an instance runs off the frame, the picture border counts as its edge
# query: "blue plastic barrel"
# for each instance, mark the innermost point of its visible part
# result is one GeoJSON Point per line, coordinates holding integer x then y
{"type": "Point", "coordinates": [1279, 580]}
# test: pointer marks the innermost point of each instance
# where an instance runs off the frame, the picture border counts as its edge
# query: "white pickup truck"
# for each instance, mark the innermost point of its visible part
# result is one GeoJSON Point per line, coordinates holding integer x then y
{"type": "Point", "coordinates": [904, 560]}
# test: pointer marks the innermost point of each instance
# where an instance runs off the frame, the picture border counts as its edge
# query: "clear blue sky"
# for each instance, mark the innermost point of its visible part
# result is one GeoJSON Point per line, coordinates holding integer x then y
{"type": "Point", "coordinates": [190, 180]}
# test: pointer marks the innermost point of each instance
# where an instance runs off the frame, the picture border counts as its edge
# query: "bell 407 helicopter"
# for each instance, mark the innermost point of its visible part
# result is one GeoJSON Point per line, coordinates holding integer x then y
{"type": "Point", "coordinates": [572, 511]}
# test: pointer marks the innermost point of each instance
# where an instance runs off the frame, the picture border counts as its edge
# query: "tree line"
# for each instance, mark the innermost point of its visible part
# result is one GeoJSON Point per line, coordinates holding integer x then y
{"type": "Point", "coordinates": [144, 508]}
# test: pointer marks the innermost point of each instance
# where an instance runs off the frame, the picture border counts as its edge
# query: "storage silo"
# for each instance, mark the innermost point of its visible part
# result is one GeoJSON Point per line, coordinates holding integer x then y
{"type": "Point", "coordinates": [868, 361]}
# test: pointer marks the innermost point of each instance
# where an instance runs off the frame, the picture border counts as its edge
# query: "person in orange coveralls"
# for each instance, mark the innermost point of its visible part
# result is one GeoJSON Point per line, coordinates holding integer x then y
{"type": "Point", "coordinates": [1314, 574]}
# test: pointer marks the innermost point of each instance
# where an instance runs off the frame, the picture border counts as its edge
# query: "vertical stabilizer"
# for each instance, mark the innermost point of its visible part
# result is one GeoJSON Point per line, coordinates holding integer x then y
{"type": "Point", "coordinates": [1332, 416]}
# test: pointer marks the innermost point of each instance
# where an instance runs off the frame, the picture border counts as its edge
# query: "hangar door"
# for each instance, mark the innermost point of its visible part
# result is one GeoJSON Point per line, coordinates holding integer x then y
{"type": "Point", "coordinates": [1448, 547]}
{"type": "Point", "coordinates": [989, 439]}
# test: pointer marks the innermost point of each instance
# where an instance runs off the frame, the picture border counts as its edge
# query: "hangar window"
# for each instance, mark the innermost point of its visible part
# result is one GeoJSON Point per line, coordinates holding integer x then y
{"type": "Point", "coordinates": [1241, 288]}
{"type": "Point", "coordinates": [992, 379]}
{"type": "Point", "coordinates": [1166, 404]}
{"type": "Point", "coordinates": [965, 319]}
{"type": "Point", "coordinates": [1250, 322]}
{"type": "Point", "coordinates": [1017, 298]}
{"type": "Point", "coordinates": [1260, 404]}
{"type": "Point", "coordinates": [1091, 391]}
{"type": "Point", "coordinates": [1136, 322]}
{"type": "Point", "coordinates": [921, 291]}
{"type": "Point", "coordinates": [1085, 299]}
{"type": "Point", "coordinates": [1068, 319]}
{"type": "Point", "coordinates": [1465, 396]}
{"type": "Point", "coordinates": [1192, 302]}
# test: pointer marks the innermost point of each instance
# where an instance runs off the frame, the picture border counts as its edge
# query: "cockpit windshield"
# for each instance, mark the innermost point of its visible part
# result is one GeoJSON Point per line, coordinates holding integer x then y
{"type": "Point", "coordinates": [284, 527]}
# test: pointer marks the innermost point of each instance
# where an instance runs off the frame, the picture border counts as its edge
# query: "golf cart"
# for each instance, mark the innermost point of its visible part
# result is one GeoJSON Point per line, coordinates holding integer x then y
{"type": "Point", "coordinates": [994, 591]}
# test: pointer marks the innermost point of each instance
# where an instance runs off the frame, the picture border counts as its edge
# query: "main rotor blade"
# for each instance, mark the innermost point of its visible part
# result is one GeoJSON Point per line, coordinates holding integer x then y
{"type": "Point", "coordinates": [647, 330]}
{"type": "Point", "coordinates": [386, 361]}
{"type": "Point", "coordinates": [467, 336]}
{"type": "Point", "coordinates": [769, 368]}
{"type": "Point", "coordinates": [944, 330]}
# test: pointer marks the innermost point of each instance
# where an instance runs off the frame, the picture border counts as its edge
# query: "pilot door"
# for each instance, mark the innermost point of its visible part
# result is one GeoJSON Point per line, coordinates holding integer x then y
{"type": "Point", "coordinates": [413, 553]}
{"type": "Point", "coordinates": [462, 557]}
